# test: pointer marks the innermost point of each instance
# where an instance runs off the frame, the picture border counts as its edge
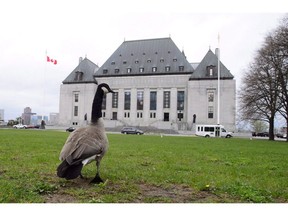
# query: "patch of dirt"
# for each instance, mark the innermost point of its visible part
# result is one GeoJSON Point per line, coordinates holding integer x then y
{"type": "Point", "coordinates": [175, 194]}
{"type": "Point", "coordinates": [142, 193]}
{"type": "Point", "coordinates": [59, 198]}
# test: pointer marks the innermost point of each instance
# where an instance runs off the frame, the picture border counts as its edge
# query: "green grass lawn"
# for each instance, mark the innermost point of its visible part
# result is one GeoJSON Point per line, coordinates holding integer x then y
{"type": "Point", "coordinates": [145, 169]}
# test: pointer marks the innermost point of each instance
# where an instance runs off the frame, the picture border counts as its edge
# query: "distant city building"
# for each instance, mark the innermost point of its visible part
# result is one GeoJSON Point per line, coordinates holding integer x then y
{"type": "Point", "coordinates": [36, 119]}
{"type": "Point", "coordinates": [26, 116]}
{"type": "Point", "coordinates": [154, 85]}
{"type": "Point", "coordinates": [1, 116]}
{"type": "Point", "coordinates": [53, 119]}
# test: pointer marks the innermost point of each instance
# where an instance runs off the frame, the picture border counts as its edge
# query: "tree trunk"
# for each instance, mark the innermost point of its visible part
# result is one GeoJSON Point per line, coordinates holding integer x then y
{"type": "Point", "coordinates": [271, 128]}
{"type": "Point", "coordinates": [287, 130]}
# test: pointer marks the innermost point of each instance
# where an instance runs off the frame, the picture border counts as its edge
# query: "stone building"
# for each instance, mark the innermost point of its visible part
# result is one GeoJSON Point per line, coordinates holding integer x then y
{"type": "Point", "coordinates": [154, 85]}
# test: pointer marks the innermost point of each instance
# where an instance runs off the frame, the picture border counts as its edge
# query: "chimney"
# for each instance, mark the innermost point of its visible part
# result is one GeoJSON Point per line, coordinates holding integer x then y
{"type": "Point", "coordinates": [80, 60]}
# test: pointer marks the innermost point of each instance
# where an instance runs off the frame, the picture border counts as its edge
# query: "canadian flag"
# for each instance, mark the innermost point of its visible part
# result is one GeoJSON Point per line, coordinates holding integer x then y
{"type": "Point", "coordinates": [54, 61]}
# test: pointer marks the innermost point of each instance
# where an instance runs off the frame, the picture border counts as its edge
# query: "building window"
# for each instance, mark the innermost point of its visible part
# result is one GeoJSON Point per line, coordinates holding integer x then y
{"type": "Point", "coordinates": [175, 60]}
{"type": "Point", "coordinates": [180, 100]}
{"type": "Point", "coordinates": [113, 63]}
{"type": "Point", "coordinates": [166, 102]}
{"type": "Point", "coordinates": [115, 100]}
{"type": "Point", "coordinates": [139, 115]}
{"type": "Point", "coordinates": [140, 100]}
{"type": "Point", "coordinates": [136, 62]}
{"type": "Point", "coordinates": [104, 114]}
{"type": "Point", "coordinates": [127, 100]}
{"type": "Point", "coordinates": [124, 62]}
{"type": "Point", "coordinates": [166, 116]}
{"type": "Point", "coordinates": [152, 114]}
{"type": "Point", "coordinates": [149, 61]}
{"type": "Point", "coordinates": [141, 69]}
{"type": "Point", "coordinates": [105, 71]}
{"type": "Point", "coordinates": [210, 97]}
{"type": "Point", "coordinates": [129, 70]}
{"type": "Point", "coordinates": [126, 114]}
{"type": "Point", "coordinates": [76, 97]}
{"type": "Point", "coordinates": [181, 68]}
{"type": "Point", "coordinates": [114, 115]}
{"type": "Point", "coordinates": [78, 76]}
{"type": "Point", "coordinates": [161, 60]}
{"type": "Point", "coordinates": [210, 72]}
{"type": "Point", "coordinates": [167, 68]}
{"type": "Point", "coordinates": [210, 112]}
{"type": "Point", "coordinates": [75, 110]}
{"type": "Point", "coordinates": [154, 69]}
{"type": "Point", "coordinates": [117, 70]}
{"type": "Point", "coordinates": [153, 100]}
{"type": "Point", "coordinates": [104, 102]}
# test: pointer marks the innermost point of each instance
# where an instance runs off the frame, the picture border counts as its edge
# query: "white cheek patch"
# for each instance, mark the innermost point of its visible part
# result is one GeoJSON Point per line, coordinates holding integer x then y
{"type": "Point", "coordinates": [105, 90]}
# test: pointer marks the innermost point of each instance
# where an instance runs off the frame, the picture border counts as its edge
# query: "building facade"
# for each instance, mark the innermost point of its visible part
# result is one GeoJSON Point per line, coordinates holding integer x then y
{"type": "Point", "coordinates": [154, 86]}
{"type": "Point", "coordinates": [2, 116]}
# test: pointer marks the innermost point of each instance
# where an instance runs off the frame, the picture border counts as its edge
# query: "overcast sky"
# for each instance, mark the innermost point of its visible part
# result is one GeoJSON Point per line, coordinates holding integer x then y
{"type": "Point", "coordinates": [70, 29]}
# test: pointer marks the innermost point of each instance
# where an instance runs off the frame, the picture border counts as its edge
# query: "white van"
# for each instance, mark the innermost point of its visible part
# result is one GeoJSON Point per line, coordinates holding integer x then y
{"type": "Point", "coordinates": [212, 131]}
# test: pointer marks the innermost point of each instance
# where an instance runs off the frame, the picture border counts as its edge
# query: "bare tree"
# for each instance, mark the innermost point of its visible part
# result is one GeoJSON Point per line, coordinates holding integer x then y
{"type": "Point", "coordinates": [264, 91]}
{"type": "Point", "coordinates": [259, 93]}
{"type": "Point", "coordinates": [281, 58]}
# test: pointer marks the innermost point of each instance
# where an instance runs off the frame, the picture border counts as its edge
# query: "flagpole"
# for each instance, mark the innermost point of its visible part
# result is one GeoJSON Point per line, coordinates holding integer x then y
{"type": "Point", "coordinates": [44, 90]}
{"type": "Point", "coordinates": [218, 104]}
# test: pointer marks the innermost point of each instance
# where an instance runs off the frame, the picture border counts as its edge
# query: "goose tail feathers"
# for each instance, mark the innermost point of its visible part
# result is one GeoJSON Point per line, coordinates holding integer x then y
{"type": "Point", "coordinates": [69, 171]}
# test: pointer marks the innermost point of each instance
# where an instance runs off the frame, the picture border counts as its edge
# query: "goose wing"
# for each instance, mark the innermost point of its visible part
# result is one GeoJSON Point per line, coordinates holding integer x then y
{"type": "Point", "coordinates": [84, 143]}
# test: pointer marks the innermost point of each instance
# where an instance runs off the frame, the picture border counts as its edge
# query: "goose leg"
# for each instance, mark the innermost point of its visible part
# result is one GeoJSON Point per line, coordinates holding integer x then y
{"type": "Point", "coordinates": [97, 179]}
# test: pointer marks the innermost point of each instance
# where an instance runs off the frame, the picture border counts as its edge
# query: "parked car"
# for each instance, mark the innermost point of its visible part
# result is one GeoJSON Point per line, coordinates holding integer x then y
{"type": "Point", "coordinates": [32, 126]}
{"type": "Point", "coordinates": [279, 135]}
{"type": "Point", "coordinates": [131, 130]}
{"type": "Point", "coordinates": [263, 134]}
{"type": "Point", "coordinates": [20, 126]}
{"type": "Point", "coordinates": [70, 129]}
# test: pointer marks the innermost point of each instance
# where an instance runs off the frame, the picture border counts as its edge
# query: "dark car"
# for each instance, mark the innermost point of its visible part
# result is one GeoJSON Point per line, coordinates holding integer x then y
{"type": "Point", "coordinates": [131, 130]}
{"type": "Point", "coordinates": [279, 135]}
{"type": "Point", "coordinates": [263, 134]}
{"type": "Point", "coordinates": [70, 129]}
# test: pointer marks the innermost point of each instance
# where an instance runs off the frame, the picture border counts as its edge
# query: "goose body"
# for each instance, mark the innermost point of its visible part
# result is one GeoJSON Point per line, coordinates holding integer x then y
{"type": "Point", "coordinates": [85, 144]}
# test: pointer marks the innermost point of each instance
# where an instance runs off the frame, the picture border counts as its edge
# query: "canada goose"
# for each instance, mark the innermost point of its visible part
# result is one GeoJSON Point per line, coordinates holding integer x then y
{"type": "Point", "coordinates": [86, 144]}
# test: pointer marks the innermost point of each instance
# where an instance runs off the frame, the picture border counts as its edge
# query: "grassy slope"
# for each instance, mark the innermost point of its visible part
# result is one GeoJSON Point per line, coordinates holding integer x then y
{"type": "Point", "coordinates": [226, 170]}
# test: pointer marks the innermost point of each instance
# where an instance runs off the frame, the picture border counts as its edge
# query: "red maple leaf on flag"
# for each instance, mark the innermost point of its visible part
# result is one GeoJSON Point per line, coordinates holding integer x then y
{"type": "Point", "coordinates": [51, 60]}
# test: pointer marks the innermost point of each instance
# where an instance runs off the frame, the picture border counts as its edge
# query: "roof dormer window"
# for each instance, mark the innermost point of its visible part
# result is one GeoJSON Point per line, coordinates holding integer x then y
{"type": "Point", "coordinates": [181, 68]}
{"type": "Point", "coordinates": [129, 70]}
{"type": "Point", "coordinates": [105, 71]}
{"type": "Point", "coordinates": [141, 69]}
{"type": "Point", "coordinates": [161, 60]}
{"type": "Point", "coordinates": [149, 61]}
{"type": "Point", "coordinates": [210, 71]}
{"type": "Point", "coordinates": [78, 76]}
{"type": "Point", "coordinates": [154, 69]}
